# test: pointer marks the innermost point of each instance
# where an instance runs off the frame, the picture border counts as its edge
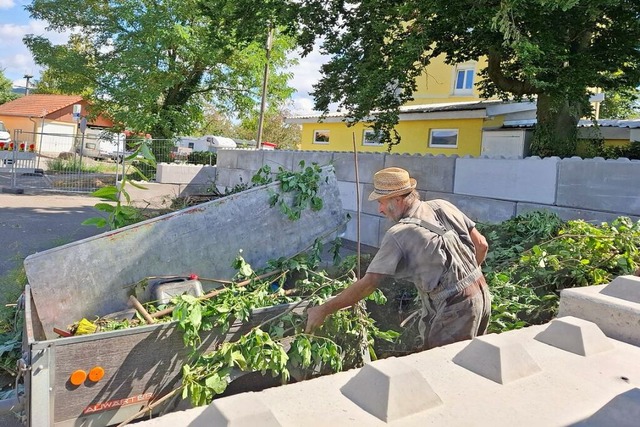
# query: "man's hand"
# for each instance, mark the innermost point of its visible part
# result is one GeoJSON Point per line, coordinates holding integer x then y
{"type": "Point", "coordinates": [315, 318]}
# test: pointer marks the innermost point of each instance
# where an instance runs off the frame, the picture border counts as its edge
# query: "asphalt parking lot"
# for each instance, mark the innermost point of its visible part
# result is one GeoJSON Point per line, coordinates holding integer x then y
{"type": "Point", "coordinates": [36, 221]}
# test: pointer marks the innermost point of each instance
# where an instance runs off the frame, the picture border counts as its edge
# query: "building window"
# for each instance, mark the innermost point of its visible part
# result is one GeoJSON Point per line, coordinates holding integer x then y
{"type": "Point", "coordinates": [371, 137]}
{"type": "Point", "coordinates": [191, 144]}
{"type": "Point", "coordinates": [443, 138]}
{"type": "Point", "coordinates": [464, 81]}
{"type": "Point", "coordinates": [320, 136]}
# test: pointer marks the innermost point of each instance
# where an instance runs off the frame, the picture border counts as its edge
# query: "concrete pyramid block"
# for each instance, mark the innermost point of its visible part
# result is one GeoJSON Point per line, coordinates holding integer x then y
{"type": "Point", "coordinates": [390, 389]}
{"type": "Point", "coordinates": [497, 360]}
{"type": "Point", "coordinates": [576, 336]}
{"type": "Point", "coordinates": [240, 410]}
{"type": "Point", "coordinates": [624, 287]}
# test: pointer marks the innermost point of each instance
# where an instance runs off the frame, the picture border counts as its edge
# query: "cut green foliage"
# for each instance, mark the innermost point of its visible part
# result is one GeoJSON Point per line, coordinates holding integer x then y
{"type": "Point", "coordinates": [279, 343]}
{"type": "Point", "coordinates": [533, 256]}
{"type": "Point", "coordinates": [303, 185]}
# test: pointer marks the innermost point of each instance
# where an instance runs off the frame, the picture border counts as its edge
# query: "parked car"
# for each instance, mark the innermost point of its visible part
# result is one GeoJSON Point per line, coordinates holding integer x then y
{"type": "Point", "coordinates": [5, 136]}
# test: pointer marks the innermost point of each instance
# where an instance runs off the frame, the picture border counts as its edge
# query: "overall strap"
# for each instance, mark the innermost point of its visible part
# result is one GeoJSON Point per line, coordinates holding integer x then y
{"type": "Point", "coordinates": [429, 226]}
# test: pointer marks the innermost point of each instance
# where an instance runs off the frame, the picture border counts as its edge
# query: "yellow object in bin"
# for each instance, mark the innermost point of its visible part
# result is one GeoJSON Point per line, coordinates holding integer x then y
{"type": "Point", "coordinates": [85, 327]}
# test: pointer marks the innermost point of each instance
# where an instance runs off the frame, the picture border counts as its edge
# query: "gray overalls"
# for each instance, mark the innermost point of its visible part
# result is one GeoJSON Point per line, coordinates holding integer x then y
{"type": "Point", "coordinates": [459, 307]}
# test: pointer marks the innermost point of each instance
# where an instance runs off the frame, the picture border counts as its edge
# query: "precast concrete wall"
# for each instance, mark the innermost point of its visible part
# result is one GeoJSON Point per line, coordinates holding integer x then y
{"type": "Point", "coordinates": [486, 189]}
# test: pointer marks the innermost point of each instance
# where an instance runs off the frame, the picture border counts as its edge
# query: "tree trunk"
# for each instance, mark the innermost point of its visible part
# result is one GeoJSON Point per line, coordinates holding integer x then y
{"type": "Point", "coordinates": [556, 131]}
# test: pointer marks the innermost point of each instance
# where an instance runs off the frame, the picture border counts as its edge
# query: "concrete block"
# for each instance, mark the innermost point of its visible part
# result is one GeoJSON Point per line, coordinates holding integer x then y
{"type": "Point", "coordinates": [229, 178]}
{"type": "Point", "coordinates": [250, 159]}
{"type": "Point", "coordinates": [368, 164]}
{"type": "Point", "coordinates": [479, 209]}
{"type": "Point", "coordinates": [240, 410]}
{"type": "Point", "coordinates": [496, 359]}
{"type": "Point", "coordinates": [624, 287]}
{"type": "Point", "coordinates": [369, 229]}
{"type": "Point", "coordinates": [280, 158]}
{"type": "Point", "coordinates": [621, 411]}
{"type": "Point", "coordinates": [174, 173]}
{"type": "Point", "coordinates": [616, 317]}
{"type": "Point", "coordinates": [576, 336]}
{"type": "Point", "coordinates": [600, 185]}
{"type": "Point", "coordinates": [390, 390]}
{"type": "Point", "coordinates": [227, 158]}
{"type": "Point", "coordinates": [349, 196]}
{"type": "Point", "coordinates": [322, 158]}
{"type": "Point", "coordinates": [433, 173]}
{"type": "Point", "coordinates": [595, 217]}
{"type": "Point", "coordinates": [527, 180]}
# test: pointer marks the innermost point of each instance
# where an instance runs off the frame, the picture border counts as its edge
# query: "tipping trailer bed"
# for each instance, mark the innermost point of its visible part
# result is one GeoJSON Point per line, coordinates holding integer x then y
{"type": "Point", "coordinates": [93, 277]}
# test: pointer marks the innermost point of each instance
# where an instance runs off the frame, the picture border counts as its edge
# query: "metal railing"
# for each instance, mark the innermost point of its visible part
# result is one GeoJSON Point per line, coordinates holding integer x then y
{"type": "Point", "coordinates": [83, 162]}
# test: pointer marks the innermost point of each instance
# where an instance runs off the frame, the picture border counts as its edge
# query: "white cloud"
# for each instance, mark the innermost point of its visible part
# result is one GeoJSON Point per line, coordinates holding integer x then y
{"type": "Point", "coordinates": [305, 75]}
{"type": "Point", "coordinates": [16, 59]}
{"type": "Point", "coordinates": [7, 4]}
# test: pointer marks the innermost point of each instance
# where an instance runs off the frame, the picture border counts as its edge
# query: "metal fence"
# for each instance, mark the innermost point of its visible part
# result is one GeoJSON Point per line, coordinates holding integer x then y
{"type": "Point", "coordinates": [82, 163]}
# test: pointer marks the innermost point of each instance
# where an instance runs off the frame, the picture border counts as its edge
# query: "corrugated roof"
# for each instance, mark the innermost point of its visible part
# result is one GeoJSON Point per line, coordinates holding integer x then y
{"type": "Point", "coordinates": [611, 123]}
{"type": "Point", "coordinates": [422, 108]}
{"type": "Point", "coordinates": [34, 105]}
{"type": "Point", "coordinates": [581, 123]}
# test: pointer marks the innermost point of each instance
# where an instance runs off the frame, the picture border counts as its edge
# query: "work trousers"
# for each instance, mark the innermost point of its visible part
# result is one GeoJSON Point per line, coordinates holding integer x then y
{"type": "Point", "coordinates": [460, 317]}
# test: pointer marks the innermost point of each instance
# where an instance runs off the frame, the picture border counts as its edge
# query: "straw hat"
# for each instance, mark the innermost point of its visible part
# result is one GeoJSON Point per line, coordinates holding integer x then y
{"type": "Point", "coordinates": [390, 182]}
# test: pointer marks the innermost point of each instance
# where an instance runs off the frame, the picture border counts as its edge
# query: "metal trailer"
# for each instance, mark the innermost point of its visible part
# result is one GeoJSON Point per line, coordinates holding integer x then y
{"type": "Point", "coordinates": [128, 368]}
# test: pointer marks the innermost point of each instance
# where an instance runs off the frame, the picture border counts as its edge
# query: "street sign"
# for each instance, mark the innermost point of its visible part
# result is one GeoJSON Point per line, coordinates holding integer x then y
{"type": "Point", "coordinates": [83, 125]}
{"type": "Point", "coordinates": [77, 109]}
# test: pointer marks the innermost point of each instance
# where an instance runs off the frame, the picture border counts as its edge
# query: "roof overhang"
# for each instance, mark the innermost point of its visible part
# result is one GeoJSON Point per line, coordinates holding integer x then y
{"type": "Point", "coordinates": [441, 111]}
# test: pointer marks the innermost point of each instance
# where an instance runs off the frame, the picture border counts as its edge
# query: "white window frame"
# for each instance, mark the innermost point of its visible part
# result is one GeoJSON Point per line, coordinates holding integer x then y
{"type": "Point", "coordinates": [371, 143]}
{"type": "Point", "coordinates": [469, 73]}
{"type": "Point", "coordinates": [437, 145]}
{"type": "Point", "coordinates": [322, 131]}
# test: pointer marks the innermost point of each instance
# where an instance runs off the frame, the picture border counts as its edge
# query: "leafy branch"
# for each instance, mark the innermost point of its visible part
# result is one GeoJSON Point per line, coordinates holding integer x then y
{"type": "Point", "coordinates": [304, 185]}
{"type": "Point", "coordinates": [119, 214]}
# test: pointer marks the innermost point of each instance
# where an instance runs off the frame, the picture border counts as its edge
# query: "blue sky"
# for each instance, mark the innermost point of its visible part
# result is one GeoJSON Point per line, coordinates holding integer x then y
{"type": "Point", "coordinates": [16, 60]}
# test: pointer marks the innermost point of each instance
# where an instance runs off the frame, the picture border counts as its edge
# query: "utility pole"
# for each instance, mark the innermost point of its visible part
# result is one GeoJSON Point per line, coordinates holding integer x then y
{"type": "Point", "coordinates": [264, 86]}
{"type": "Point", "coordinates": [26, 86]}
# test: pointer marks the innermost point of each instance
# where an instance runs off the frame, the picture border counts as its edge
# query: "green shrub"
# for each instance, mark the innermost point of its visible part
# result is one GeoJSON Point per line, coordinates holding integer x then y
{"type": "Point", "coordinates": [202, 158]}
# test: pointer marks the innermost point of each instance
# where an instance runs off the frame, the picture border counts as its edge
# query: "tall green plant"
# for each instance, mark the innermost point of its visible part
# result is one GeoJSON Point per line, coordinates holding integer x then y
{"type": "Point", "coordinates": [118, 213]}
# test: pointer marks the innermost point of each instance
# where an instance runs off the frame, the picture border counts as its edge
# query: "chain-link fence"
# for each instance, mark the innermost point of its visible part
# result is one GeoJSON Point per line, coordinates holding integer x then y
{"type": "Point", "coordinates": [84, 162]}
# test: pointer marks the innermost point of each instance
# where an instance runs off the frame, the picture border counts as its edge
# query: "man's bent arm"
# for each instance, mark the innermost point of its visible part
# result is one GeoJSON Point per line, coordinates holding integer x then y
{"type": "Point", "coordinates": [348, 297]}
{"type": "Point", "coordinates": [480, 244]}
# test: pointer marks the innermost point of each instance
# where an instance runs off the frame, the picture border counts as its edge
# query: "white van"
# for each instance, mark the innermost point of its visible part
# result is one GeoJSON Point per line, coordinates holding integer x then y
{"type": "Point", "coordinates": [100, 144]}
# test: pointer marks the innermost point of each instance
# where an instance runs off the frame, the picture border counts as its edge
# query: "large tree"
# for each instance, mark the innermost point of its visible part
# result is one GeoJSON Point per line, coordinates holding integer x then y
{"type": "Point", "coordinates": [152, 66]}
{"type": "Point", "coordinates": [6, 94]}
{"type": "Point", "coordinates": [553, 51]}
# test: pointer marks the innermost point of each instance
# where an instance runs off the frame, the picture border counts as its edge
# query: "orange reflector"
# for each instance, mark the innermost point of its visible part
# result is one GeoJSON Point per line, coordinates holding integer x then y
{"type": "Point", "coordinates": [78, 377]}
{"type": "Point", "coordinates": [96, 373]}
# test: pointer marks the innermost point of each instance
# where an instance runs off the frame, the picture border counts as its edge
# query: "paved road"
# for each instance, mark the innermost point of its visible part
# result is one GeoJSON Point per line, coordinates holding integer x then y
{"type": "Point", "coordinates": [33, 222]}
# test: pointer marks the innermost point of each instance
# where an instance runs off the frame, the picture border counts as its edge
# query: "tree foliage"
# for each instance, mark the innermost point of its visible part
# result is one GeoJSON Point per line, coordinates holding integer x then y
{"type": "Point", "coordinates": [551, 50]}
{"type": "Point", "coordinates": [6, 94]}
{"type": "Point", "coordinates": [622, 104]}
{"type": "Point", "coordinates": [153, 65]}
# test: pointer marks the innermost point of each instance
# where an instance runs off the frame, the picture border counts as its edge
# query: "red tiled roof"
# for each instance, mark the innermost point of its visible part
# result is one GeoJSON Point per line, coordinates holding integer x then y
{"type": "Point", "coordinates": [34, 105]}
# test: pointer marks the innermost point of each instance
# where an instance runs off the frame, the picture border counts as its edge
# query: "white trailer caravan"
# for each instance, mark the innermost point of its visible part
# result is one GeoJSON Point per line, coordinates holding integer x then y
{"type": "Point", "coordinates": [205, 143]}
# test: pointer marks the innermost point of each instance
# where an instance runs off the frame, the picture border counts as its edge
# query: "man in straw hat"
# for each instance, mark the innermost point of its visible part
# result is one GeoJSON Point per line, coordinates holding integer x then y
{"type": "Point", "coordinates": [438, 248]}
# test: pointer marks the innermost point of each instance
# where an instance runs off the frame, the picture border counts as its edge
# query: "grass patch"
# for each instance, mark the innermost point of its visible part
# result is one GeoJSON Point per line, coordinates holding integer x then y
{"type": "Point", "coordinates": [74, 165]}
{"type": "Point", "coordinates": [11, 286]}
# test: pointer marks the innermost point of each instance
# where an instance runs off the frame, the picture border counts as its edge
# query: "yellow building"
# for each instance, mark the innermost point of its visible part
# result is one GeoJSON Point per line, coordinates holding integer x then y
{"type": "Point", "coordinates": [447, 116]}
